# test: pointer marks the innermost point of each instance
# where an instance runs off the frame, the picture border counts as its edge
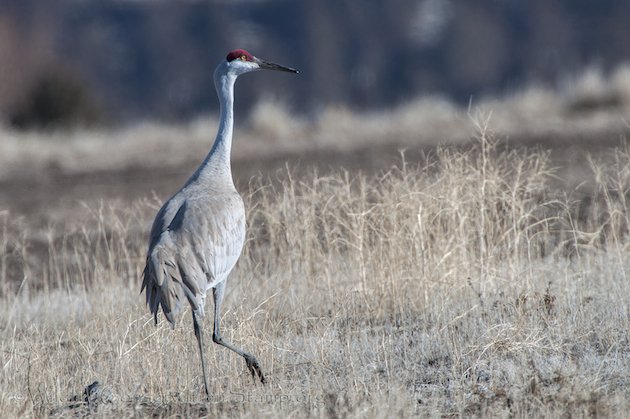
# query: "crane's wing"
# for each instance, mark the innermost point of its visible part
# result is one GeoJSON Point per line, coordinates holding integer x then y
{"type": "Point", "coordinates": [194, 244]}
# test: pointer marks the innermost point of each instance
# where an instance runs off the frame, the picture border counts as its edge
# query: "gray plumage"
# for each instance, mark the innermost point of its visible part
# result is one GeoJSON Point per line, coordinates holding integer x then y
{"type": "Point", "coordinates": [198, 234]}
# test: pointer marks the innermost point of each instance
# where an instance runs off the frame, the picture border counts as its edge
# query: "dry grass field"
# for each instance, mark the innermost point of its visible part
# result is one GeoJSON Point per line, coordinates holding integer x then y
{"type": "Point", "coordinates": [479, 274]}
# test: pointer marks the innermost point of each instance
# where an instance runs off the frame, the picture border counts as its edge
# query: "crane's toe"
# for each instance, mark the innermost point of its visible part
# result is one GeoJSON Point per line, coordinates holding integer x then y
{"type": "Point", "coordinates": [254, 367]}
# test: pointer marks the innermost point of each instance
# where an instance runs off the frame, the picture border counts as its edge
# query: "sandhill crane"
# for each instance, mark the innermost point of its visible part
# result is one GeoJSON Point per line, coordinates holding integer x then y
{"type": "Point", "coordinates": [198, 234]}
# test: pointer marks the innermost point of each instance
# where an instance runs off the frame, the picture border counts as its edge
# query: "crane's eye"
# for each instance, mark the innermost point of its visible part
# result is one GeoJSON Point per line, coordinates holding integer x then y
{"type": "Point", "coordinates": [243, 57]}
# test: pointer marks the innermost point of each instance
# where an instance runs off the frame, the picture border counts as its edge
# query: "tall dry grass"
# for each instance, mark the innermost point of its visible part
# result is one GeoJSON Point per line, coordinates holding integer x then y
{"type": "Point", "coordinates": [459, 286]}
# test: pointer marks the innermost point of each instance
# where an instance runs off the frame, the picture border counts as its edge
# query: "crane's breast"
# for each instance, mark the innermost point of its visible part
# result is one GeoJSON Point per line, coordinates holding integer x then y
{"type": "Point", "coordinates": [215, 229]}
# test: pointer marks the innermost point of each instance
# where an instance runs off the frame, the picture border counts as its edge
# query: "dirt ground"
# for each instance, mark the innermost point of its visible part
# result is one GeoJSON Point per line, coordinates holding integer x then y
{"type": "Point", "coordinates": [49, 194]}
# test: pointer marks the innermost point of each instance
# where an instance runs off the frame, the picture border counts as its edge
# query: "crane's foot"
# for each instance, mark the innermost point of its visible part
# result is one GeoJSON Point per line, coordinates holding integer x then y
{"type": "Point", "coordinates": [254, 367]}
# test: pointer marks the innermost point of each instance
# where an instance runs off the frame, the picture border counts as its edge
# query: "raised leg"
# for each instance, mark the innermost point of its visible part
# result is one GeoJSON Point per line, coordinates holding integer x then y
{"type": "Point", "coordinates": [252, 363]}
{"type": "Point", "coordinates": [199, 336]}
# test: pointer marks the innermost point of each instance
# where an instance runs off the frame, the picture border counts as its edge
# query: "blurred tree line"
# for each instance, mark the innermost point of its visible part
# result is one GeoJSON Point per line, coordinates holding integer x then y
{"type": "Point", "coordinates": [116, 61]}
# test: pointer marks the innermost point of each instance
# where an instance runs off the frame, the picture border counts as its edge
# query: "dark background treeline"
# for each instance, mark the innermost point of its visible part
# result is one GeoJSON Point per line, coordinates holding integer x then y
{"type": "Point", "coordinates": [115, 61]}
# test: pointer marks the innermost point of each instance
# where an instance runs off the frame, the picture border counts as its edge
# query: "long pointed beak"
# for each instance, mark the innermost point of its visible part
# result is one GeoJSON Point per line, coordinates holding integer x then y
{"type": "Point", "coordinates": [272, 66]}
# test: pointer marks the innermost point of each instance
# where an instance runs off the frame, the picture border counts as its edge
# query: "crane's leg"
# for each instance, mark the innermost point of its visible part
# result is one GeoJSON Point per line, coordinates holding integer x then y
{"type": "Point", "coordinates": [199, 336]}
{"type": "Point", "coordinates": [252, 363]}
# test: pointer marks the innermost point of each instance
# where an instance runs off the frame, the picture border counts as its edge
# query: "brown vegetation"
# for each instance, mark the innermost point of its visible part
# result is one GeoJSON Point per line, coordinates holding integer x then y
{"type": "Point", "coordinates": [459, 284]}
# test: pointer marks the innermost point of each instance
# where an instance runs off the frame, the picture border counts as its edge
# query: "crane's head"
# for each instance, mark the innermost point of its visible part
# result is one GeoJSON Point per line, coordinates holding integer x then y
{"type": "Point", "coordinates": [240, 61]}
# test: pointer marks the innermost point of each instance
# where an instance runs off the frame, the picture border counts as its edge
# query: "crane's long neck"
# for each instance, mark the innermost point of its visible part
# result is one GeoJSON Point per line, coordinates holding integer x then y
{"type": "Point", "coordinates": [216, 168]}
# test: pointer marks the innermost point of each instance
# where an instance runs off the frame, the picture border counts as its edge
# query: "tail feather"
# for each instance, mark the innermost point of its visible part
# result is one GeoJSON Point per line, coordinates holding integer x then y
{"type": "Point", "coordinates": [172, 291]}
